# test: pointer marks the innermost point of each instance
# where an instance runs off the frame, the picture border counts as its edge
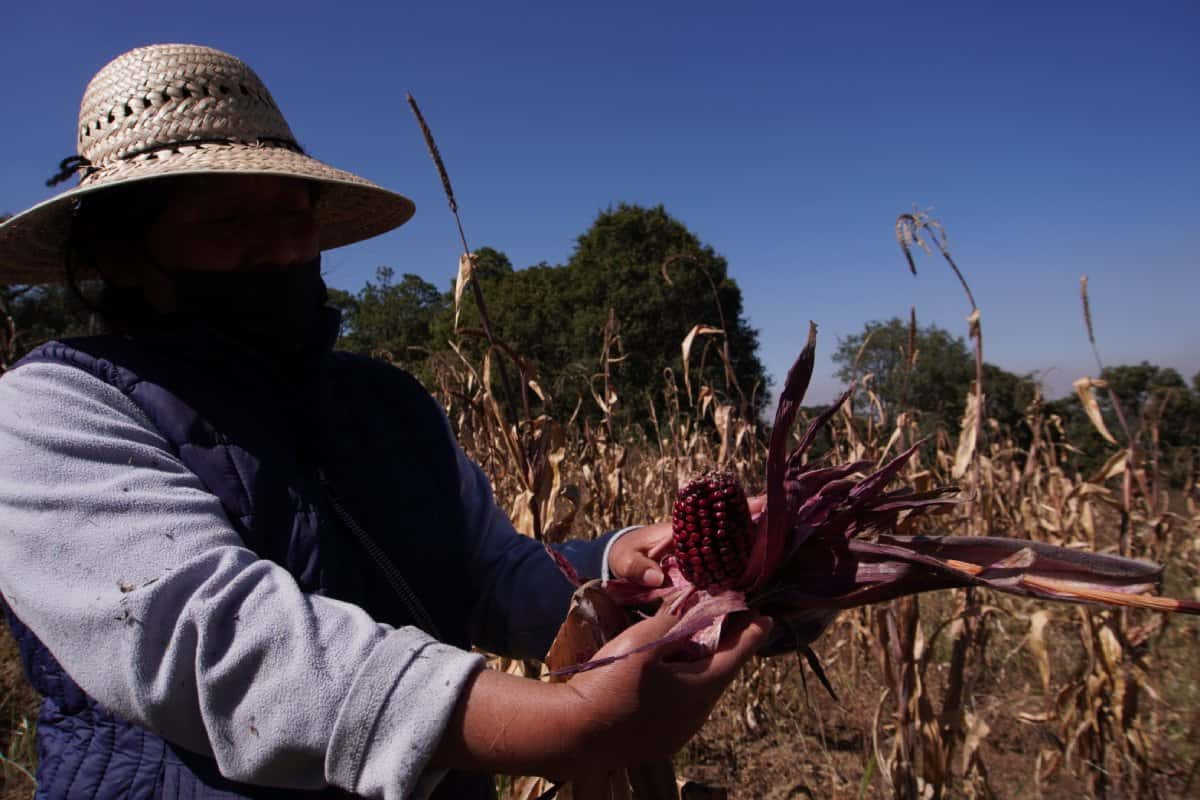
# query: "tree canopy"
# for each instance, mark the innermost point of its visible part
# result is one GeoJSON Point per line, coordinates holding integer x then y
{"type": "Point", "coordinates": [555, 316]}
{"type": "Point", "coordinates": [618, 264]}
{"type": "Point", "coordinates": [935, 380]}
{"type": "Point", "coordinates": [1160, 410]}
{"type": "Point", "coordinates": [390, 316]}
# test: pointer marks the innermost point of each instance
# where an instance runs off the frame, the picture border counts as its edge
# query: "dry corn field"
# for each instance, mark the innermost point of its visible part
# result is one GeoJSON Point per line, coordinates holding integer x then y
{"type": "Point", "coordinates": [1003, 697]}
{"type": "Point", "coordinates": [963, 693]}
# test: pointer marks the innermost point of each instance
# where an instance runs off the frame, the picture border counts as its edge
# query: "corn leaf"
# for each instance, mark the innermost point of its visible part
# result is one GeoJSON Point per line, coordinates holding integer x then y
{"type": "Point", "coordinates": [686, 350]}
{"type": "Point", "coordinates": [769, 546]}
{"type": "Point", "coordinates": [466, 271]}
{"type": "Point", "coordinates": [1037, 646]}
{"type": "Point", "coordinates": [966, 436]}
{"type": "Point", "coordinates": [1083, 388]}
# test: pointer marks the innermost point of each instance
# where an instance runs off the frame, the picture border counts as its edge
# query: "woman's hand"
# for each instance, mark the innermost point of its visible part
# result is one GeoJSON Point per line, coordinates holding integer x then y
{"type": "Point", "coordinates": [631, 711]}
{"type": "Point", "coordinates": [643, 707]}
{"type": "Point", "coordinates": [647, 706]}
{"type": "Point", "coordinates": [635, 556]}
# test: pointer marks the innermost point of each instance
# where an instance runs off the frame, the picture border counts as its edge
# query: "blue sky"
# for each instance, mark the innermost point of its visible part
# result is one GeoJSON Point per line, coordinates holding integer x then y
{"type": "Point", "coordinates": [1052, 140]}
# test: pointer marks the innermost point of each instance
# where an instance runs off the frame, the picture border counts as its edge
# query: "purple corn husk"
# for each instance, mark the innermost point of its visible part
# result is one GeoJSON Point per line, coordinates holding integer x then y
{"type": "Point", "coordinates": [875, 571]}
{"type": "Point", "coordinates": [769, 546]}
{"type": "Point", "coordinates": [701, 629]}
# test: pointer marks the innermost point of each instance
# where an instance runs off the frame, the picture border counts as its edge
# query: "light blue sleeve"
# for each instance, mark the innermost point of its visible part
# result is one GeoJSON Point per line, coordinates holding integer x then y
{"type": "Point", "coordinates": [110, 545]}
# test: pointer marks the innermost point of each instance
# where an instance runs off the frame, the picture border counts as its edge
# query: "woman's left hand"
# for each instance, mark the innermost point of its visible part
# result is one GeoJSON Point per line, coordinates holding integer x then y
{"type": "Point", "coordinates": [635, 555]}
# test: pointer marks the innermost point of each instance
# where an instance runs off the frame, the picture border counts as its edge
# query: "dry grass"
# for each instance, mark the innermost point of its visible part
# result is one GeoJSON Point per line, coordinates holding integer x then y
{"type": "Point", "coordinates": [18, 716]}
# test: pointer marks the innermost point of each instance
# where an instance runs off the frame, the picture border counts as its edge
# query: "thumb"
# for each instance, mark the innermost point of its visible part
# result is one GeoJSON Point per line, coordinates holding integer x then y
{"type": "Point", "coordinates": [644, 570]}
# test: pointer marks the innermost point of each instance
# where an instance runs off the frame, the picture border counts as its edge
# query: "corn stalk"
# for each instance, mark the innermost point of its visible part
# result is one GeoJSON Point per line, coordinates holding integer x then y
{"type": "Point", "coordinates": [919, 230]}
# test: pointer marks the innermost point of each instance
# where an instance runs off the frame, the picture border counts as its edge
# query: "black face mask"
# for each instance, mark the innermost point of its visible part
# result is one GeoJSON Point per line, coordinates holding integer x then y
{"type": "Point", "coordinates": [277, 311]}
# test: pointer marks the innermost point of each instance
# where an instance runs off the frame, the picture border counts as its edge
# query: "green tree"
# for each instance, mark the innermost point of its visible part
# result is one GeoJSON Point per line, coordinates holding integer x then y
{"type": "Point", "coordinates": [936, 382]}
{"type": "Point", "coordinates": [30, 315]}
{"type": "Point", "coordinates": [529, 313]}
{"type": "Point", "coordinates": [618, 264]}
{"type": "Point", "coordinates": [491, 266]}
{"type": "Point", "coordinates": [1151, 392]}
{"type": "Point", "coordinates": [1162, 412]}
{"type": "Point", "coordinates": [554, 316]}
{"type": "Point", "coordinates": [526, 309]}
{"type": "Point", "coordinates": [389, 316]}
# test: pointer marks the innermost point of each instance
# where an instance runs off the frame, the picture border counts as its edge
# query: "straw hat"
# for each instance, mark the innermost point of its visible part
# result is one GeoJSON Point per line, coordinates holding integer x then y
{"type": "Point", "coordinates": [177, 109]}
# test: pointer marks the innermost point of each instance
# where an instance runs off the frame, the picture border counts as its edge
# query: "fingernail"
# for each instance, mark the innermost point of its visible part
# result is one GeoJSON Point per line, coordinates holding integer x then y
{"type": "Point", "coordinates": [652, 576]}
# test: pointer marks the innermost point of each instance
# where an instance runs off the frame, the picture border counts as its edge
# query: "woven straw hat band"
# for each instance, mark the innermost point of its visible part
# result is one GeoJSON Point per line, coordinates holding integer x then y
{"type": "Point", "coordinates": [154, 98]}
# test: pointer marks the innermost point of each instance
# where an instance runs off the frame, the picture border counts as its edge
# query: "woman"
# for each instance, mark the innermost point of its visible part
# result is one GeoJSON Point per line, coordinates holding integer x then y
{"type": "Point", "coordinates": [236, 560]}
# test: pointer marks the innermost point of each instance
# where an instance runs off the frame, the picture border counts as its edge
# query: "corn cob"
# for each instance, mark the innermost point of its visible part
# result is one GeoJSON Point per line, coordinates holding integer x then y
{"type": "Point", "coordinates": [711, 527]}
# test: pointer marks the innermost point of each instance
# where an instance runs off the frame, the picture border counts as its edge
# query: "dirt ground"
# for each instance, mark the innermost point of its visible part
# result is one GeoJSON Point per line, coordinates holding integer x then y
{"type": "Point", "coordinates": [782, 741]}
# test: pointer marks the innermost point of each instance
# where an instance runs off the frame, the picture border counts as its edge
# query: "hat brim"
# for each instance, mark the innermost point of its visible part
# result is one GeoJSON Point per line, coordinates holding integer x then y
{"type": "Point", "coordinates": [349, 210]}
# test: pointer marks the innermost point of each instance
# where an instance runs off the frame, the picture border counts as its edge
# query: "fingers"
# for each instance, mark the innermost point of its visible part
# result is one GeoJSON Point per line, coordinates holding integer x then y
{"type": "Point", "coordinates": [639, 634]}
{"type": "Point", "coordinates": [660, 548]}
{"type": "Point", "coordinates": [635, 555]}
{"type": "Point", "coordinates": [644, 570]}
{"type": "Point", "coordinates": [741, 638]}
{"type": "Point", "coordinates": [744, 639]}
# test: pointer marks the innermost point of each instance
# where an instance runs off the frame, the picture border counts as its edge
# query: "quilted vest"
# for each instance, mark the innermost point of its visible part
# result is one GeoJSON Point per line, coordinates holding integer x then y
{"type": "Point", "coordinates": [291, 459]}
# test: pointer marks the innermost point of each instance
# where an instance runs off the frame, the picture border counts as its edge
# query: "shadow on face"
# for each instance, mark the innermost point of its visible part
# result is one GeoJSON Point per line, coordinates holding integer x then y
{"type": "Point", "coordinates": [131, 236]}
{"type": "Point", "coordinates": [229, 222]}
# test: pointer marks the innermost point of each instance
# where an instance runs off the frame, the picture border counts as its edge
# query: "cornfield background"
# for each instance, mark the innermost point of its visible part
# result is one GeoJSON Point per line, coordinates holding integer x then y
{"type": "Point", "coordinates": [962, 694]}
{"type": "Point", "coordinates": [957, 694]}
